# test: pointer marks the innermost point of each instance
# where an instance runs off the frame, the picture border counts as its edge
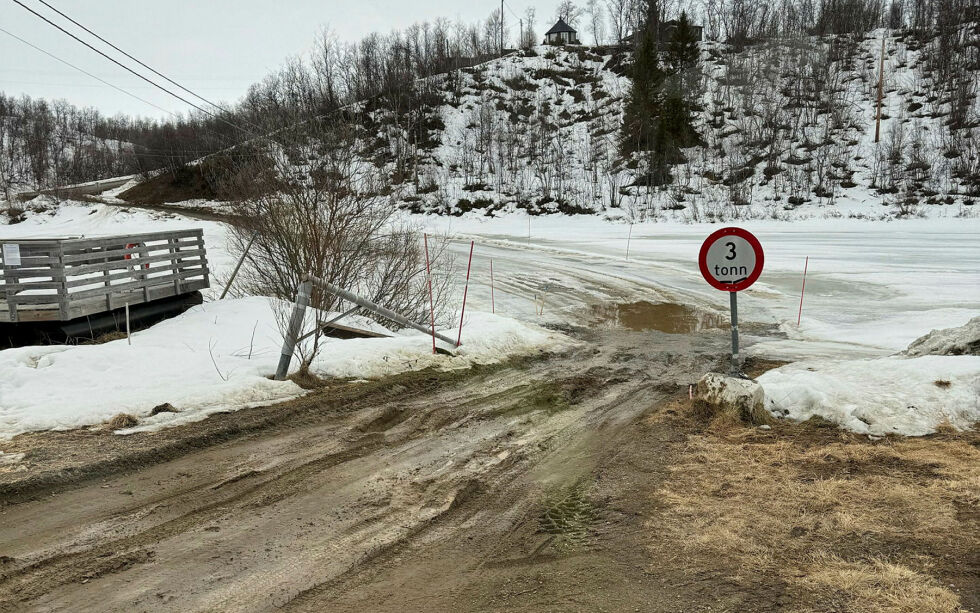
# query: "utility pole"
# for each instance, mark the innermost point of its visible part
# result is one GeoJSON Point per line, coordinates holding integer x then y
{"type": "Point", "coordinates": [501, 28]}
{"type": "Point", "coordinates": [881, 89]}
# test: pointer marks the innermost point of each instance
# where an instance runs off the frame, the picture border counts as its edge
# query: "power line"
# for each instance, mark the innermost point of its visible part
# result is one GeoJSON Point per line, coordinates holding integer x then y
{"type": "Point", "coordinates": [62, 84]}
{"type": "Point", "coordinates": [104, 82]}
{"type": "Point", "coordinates": [128, 69]}
{"type": "Point", "coordinates": [154, 71]}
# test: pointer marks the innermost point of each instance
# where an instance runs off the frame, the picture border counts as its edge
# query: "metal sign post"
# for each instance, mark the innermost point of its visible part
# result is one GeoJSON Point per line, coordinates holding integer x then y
{"type": "Point", "coordinates": [736, 369]}
{"type": "Point", "coordinates": [731, 260]}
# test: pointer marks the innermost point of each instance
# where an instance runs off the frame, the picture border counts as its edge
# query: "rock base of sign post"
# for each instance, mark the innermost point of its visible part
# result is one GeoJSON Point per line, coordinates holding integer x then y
{"type": "Point", "coordinates": [732, 398]}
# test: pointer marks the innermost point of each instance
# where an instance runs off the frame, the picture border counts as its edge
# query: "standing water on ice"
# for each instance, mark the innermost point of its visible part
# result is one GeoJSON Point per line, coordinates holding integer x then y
{"type": "Point", "coordinates": [663, 317]}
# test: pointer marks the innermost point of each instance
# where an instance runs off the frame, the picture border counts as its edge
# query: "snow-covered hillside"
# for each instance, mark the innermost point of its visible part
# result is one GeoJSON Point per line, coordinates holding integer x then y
{"type": "Point", "coordinates": [785, 125]}
{"type": "Point", "coordinates": [51, 144]}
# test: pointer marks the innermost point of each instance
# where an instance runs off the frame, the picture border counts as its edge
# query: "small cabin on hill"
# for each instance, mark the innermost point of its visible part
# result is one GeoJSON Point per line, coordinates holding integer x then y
{"type": "Point", "coordinates": [666, 32]}
{"type": "Point", "coordinates": [561, 34]}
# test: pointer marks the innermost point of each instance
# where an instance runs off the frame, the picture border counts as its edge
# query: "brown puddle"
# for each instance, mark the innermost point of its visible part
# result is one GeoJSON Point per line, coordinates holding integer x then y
{"type": "Point", "coordinates": [665, 317]}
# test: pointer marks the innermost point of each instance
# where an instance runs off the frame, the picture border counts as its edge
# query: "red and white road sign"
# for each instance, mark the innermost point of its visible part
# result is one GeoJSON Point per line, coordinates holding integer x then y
{"type": "Point", "coordinates": [731, 259]}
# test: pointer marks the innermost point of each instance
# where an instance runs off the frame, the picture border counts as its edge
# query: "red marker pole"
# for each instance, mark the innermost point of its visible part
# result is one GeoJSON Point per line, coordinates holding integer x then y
{"type": "Point", "coordinates": [799, 317]}
{"type": "Point", "coordinates": [432, 311]}
{"type": "Point", "coordinates": [493, 308]}
{"type": "Point", "coordinates": [466, 288]}
{"type": "Point", "coordinates": [628, 243]}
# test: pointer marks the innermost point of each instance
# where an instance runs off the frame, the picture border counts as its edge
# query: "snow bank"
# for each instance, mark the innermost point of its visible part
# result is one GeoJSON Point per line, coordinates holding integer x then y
{"type": "Point", "coordinates": [216, 357]}
{"type": "Point", "coordinates": [964, 340]}
{"type": "Point", "coordinates": [909, 396]}
{"type": "Point", "coordinates": [64, 387]}
{"type": "Point", "coordinates": [486, 338]}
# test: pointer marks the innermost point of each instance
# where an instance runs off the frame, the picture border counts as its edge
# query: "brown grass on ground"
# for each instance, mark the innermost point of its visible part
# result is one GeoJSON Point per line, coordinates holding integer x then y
{"type": "Point", "coordinates": [838, 522]}
{"type": "Point", "coordinates": [120, 421]}
{"type": "Point", "coordinates": [108, 337]}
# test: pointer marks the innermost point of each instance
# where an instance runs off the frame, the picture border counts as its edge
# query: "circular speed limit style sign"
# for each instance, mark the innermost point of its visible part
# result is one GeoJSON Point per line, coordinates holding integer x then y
{"type": "Point", "coordinates": [731, 259]}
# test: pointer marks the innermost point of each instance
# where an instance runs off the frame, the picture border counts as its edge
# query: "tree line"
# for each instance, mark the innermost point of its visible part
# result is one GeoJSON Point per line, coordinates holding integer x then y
{"type": "Point", "coordinates": [45, 144]}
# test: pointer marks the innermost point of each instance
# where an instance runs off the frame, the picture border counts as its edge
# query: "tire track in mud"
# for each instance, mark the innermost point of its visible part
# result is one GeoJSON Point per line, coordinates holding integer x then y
{"type": "Point", "coordinates": [386, 432]}
{"type": "Point", "coordinates": [517, 496]}
{"type": "Point", "coordinates": [40, 576]}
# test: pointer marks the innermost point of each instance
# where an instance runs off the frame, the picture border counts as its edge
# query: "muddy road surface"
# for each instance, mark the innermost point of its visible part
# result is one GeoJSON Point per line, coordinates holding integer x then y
{"type": "Point", "coordinates": [412, 497]}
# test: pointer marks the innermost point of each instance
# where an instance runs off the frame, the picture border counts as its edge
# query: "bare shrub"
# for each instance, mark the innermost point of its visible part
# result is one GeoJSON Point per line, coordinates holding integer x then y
{"type": "Point", "coordinates": [315, 207]}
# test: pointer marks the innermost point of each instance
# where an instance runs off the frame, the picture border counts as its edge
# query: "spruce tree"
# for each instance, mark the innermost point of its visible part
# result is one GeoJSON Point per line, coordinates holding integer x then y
{"type": "Point", "coordinates": [642, 105]}
{"type": "Point", "coordinates": [658, 113]}
{"type": "Point", "coordinates": [682, 49]}
{"type": "Point", "coordinates": [681, 86]}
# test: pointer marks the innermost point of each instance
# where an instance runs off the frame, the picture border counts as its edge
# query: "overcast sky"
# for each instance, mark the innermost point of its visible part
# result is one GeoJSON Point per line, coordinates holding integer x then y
{"type": "Point", "coordinates": [215, 47]}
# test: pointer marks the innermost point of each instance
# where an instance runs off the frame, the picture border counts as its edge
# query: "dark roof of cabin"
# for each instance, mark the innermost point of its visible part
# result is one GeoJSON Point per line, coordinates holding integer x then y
{"type": "Point", "coordinates": [559, 27]}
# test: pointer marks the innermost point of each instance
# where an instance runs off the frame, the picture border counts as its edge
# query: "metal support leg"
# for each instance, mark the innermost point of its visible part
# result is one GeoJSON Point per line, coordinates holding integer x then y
{"type": "Point", "coordinates": [295, 326]}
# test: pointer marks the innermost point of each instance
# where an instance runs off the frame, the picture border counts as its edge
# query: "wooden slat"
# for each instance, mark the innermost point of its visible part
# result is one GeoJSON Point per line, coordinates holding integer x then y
{"type": "Point", "coordinates": [119, 250]}
{"type": "Point", "coordinates": [9, 294]}
{"type": "Point", "coordinates": [153, 273]}
{"type": "Point", "coordinates": [95, 244]}
{"type": "Point", "coordinates": [13, 274]}
{"type": "Point", "coordinates": [28, 261]}
{"type": "Point", "coordinates": [137, 285]}
{"type": "Point", "coordinates": [114, 279]}
{"type": "Point", "coordinates": [153, 262]}
{"type": "Point", "coordinates": [23, 287]}
{"type": "Point", "coordinates": [85, 269]}
{"type": "Point", "coordinates": [33, 249]}
{"type": "Point", "coordinates": [174, 263]}
{"type": "Point", "coordinates": [130, 238]}
{"type": "Point", "coordinates": [59, 275]}
{"type": "Point", "coordinates": [91, 306]}
{"type": "Point", "coordinates": [33, 299]}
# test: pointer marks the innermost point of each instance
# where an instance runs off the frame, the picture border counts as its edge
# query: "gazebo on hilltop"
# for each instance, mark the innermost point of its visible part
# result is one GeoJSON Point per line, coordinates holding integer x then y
{"type": "Point", "coordinates": [561, 34]}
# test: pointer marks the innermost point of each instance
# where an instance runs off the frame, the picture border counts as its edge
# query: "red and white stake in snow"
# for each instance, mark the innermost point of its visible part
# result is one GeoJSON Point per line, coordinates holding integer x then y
{"type": "Point", "coordinates": [466, 288]}
{"type": "Point", "coordinates": [799, 316]}
{"type": "Point", "coordinates": [432, 311]}
{"type": "Point", "coordinates": [493, 307]}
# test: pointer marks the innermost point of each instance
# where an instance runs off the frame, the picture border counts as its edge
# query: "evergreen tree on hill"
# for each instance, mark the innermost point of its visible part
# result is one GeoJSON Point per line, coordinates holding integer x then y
{"type": "Point", "coordinates": [682, 85]}
{"type": "Point", "coordinates": [644, 99]}
{"type": "Point", "coordinates": [682, 49]}
{"type": "Point", "coordinates": [657, 117]}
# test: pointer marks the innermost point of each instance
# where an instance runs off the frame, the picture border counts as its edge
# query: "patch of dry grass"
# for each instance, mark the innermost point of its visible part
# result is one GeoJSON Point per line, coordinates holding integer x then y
{"type": "Point", "coordinates": [120, 421]}
{"type": "Point", "coordinates": [877, 586]}
{"type": "Point", "coordinates": [108, 337]}
{"type": "Point", "coordinates": [843, 523]}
